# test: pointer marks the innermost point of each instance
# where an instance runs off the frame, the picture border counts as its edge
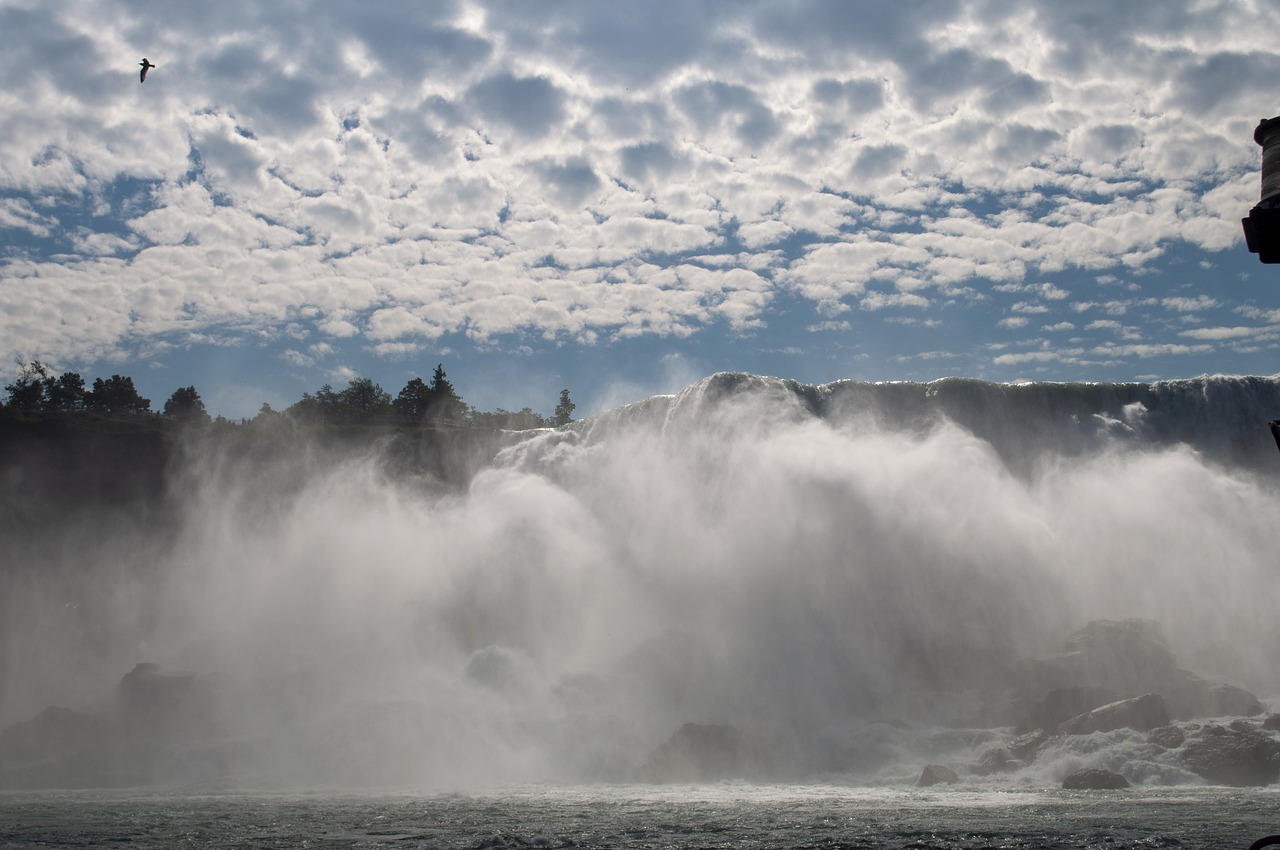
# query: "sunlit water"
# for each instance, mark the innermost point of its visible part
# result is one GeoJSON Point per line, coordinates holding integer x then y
{"type": "Point", "coordinates": [737, 816]}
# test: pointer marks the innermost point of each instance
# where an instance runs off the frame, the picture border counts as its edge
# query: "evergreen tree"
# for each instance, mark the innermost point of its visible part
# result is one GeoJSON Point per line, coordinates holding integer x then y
{"type": "Point", "coordinates": [564, 410]}
{"type": "Point", "coordinates": [363, 400]}
{"type": "Point", "coordinates": [445, 402]}
{"type": "Point", "coordinates": [414, 401]}
{"type": "Point", "coordinates": [185, 405]}
{"type": "Point", "coordinates": [116, 395]}
{"type": "Point", "coordinates": [67, 393]}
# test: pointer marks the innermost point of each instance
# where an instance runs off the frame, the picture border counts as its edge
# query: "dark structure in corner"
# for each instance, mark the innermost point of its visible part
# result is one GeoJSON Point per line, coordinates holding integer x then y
{"type": "Point", "coordinates": [1262, 227]}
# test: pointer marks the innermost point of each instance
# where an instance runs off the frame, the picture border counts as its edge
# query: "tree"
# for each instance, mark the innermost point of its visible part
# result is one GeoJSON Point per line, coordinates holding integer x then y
{"type": "Point", "coordinates": [564, 410]}
{"type": "Point", "coordinates": [185, 405]}
{"type": "Point", "coordinates": [67, 393]}
{"type": "Point", "coordinates": [116, 395]}
{"type": "Point", "coordinates": [445, 402]}
{"type": "Point", "coordinates": [414, 401]}
{"type": "Point", "coordinates": [363, 400]}
{"type": "Point", "coordinates": [27, 392]}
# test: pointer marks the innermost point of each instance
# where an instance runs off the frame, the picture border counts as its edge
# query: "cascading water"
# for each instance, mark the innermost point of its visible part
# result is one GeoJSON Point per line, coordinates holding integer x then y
{"type": "Point", "coordinates": [833, 574]}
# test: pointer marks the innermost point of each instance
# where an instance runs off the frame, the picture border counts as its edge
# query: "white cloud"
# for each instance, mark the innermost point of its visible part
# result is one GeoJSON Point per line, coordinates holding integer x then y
{"type": "Point", "coordinates": [589, 171]}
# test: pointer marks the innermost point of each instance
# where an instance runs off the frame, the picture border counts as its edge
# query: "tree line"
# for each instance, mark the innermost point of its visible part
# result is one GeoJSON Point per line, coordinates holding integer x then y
{"type": "Point", "coordinates": [434, 402]}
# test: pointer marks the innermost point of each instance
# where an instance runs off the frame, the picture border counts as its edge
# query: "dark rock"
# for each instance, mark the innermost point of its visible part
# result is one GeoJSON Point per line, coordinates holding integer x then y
{"type": "Point", "coordinates": [996, 760]}
{"type": "Point", "coordinates": [1121, 655]}
{"type": "Point", "coordinates": [1142, 714]}
{"type": "Point", "coordinates": [1229, 700]}
{"type": "Point", "coordinates": [1025, 747]}
{"type": "Point", "coordinates": [1169, 737]}
{"type": "Point", "coordinates": [1094, 779]}
{"type": "Point", "coordinates": [1065, 703]}
{"type": "Point", "coordinates": [1126, 658]}
{"type": "Point", "coordinates": [699, 753]}
{"type": "Point", "coordinates": [1271, 723]}
{"type": "Point", "coordinates": [935, 773]}
{"type": "Point", "coordinates": [55, 733]}
{"type": "Point", "coordinates": [1013, 712]}
{"type": "Point", "coordinates": [1233, 757]}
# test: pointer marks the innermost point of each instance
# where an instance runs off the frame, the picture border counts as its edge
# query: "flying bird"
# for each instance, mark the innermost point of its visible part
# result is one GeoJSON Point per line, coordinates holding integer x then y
{"type": "Point", "coordinates": [146, 66]}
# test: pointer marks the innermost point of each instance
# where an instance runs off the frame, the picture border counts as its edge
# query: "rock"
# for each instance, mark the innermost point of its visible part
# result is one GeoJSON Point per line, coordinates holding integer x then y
{"type": "Point", "coordinates": [1062, 704]}
{"type": "Point", "coordinates": [1013, 712]}
{"type": "Point", "coordinates": [1169, 737]}
{"type": "Point", "coordinates": [1232, 757]}
{"type": "Point", "coordinates": [1228, 700]}
{"type": "Point", "coordinates": [1025, 747]}
{"type": "Point", "coordinates": [1094, 779]}
{"type": "Point", "coordinates": [1120, 655]}
{"type": "Point", "coordinates": [935, 773]}
{"type": "Point", "coordinates": [699, 753]}
{"type": "Point", "coordinates": [1142, 714]}
{"type": "Point", "coordinates": [1272, 722]}
{"type": "Point", "coordinates": [996, 760]}
{"type": "Point", "coordinates": [55, 733]}
{"type": "Point", "coordinates": [1126, 658]}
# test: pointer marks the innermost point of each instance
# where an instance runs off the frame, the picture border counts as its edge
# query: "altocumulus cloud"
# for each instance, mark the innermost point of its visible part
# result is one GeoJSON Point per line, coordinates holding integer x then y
{"type": "Point", "coordinates": [388, 175]}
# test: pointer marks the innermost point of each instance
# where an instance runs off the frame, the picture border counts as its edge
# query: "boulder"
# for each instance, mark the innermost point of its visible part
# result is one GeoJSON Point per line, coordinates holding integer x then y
{"type": "Point", "coordinates": [1062, 704]}
{"type": "Point", "coordinates": [1026, 747]}
{"type": "Point", "coordinates": [1229, 700]}
{"type": "Point", "coordinates": [1124, 656]}
{"type": "Point", "coordinates": [1142, 714]}
{"type": "Point", "coordinates": [996, 760]}
{"type": "Point", "coordinates": [1271, 722]}
{"type": "Point", "coordinates": [1169, 737]}
{"type": "Point", "coordinates": [1094, 779]}
{"type": "Point", "coordinates": [1232, 757]}
{"type": "Point", "coordinates": [935, 773]}
{"type": "Point", "coordinates": [55, 733]}
{"type": "Point", "coordinates": [699, 753]}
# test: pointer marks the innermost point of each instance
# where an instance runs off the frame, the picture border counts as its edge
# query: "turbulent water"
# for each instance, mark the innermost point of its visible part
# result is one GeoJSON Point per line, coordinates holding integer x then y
{"type": "Point", "coordinates": [628, 816]}
{"type": "Point", "coordinates": [836, 573]}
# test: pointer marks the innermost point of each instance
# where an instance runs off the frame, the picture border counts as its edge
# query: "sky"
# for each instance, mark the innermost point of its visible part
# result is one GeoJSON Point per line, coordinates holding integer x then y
{"type": "Point", "coordinates": [620, 199]}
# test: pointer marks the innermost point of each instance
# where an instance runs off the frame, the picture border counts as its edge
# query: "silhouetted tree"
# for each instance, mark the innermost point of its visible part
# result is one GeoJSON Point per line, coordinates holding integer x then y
{"type": "Point", "coordinates": [67, 393]}
{"type": "Point", "coordinates": [27, 392]}
{"type": "Point", "coordinates": [445, 402]}
{"type": "Point", "coordinates": [564, 410]}
{"type": "Point", "coordinates": [414, 402]}
{"type": "Point", "coordinates": [363, 400]}
{"type": "Point", "coordinates": [116, 395]}
{"type": "Point", "coordinates": [185, 405]}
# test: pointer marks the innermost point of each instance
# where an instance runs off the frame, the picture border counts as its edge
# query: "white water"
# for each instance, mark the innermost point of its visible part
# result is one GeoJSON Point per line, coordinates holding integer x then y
{"type": "Point", "coordinates": [802, 563]}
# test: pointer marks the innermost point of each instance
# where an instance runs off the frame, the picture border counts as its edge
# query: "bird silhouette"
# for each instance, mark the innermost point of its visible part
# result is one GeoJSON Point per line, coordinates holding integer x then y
{"type": "Point", "coordinates": [146, 66]}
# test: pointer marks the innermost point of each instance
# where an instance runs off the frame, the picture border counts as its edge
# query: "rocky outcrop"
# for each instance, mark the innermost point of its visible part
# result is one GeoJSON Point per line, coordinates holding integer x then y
{"type": "Point", "coordinates": [1105, 662]}
{"type": "Point", "coordinates": [1142, 714]}
{"type": "Point", "coordinates": [143, 735]}
{"type": "Point", "coordinates": [1234, 757]}
{"type": "Point", "coordinates": [1094, 779]}
{"type": "Point", "coordinates": [936, 773]}
{"type": "Point", "coordinates": [1169, 737]}
{"type": "Point", "coordinates": [997, 760]}
{"type": "Point", "coordinates": [699, 753]}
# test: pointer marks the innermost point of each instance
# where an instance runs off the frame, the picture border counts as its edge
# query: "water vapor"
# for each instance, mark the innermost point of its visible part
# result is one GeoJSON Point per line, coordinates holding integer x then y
{"type": "Point", "coordinates": [803, 564]}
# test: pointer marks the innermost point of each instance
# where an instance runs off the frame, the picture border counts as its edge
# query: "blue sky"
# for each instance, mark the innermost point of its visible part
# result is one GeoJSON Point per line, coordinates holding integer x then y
{"type": "Point", "coordinates": [623, 198]}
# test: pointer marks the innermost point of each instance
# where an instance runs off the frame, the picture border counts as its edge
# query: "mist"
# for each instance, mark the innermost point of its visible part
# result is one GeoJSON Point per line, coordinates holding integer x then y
{"type": "Point", "coordinates": [799, 563]}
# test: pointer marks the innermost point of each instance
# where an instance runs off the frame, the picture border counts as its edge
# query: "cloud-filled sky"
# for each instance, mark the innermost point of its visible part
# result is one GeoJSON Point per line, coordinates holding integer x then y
{"type": "Point", "coordinates": [622, 198]}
